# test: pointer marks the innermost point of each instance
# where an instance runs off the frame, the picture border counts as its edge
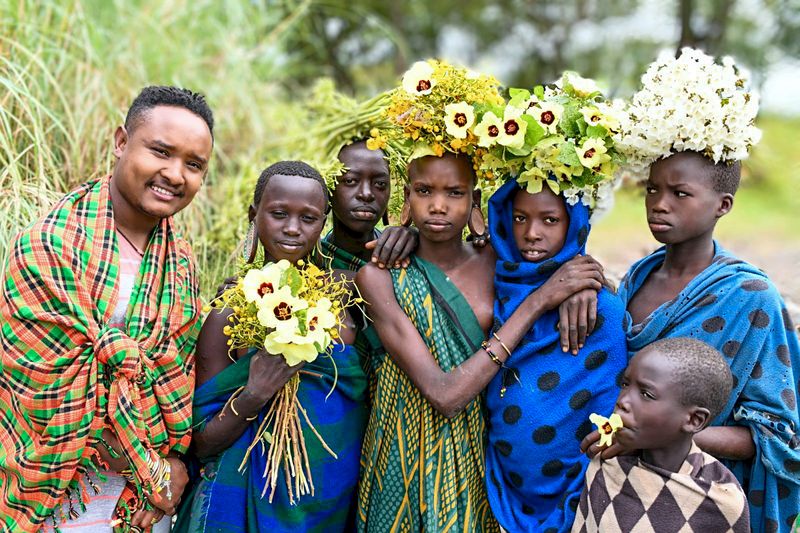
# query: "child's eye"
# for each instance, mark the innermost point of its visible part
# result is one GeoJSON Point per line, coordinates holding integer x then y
{"type": "Point", "coordinates": [310, 219]}
{"type": "Point", "coordinates": [623, 384]}
{"type": "Point", "coordinates": [519, 219]}
{"type": "Point", "coordinates": [681, 194]}
{"type": "Point", "coordinates": [650, 190]}
{"type": "Point", "coordinates": [551, 220]}
{"type": "Point", "coordinates": [457, 194]}
{"type": "Point", "coordinates": [648, 395]}
{"type": "Point", "coordinates": [421, 190]}
{"type": "Point", "coordinates": [278, 214]}
{"type": "Point", "coordinates": [160, 152]}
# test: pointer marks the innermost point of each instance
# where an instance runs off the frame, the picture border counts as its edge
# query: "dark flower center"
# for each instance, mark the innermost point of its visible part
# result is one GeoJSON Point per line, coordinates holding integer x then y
{"type": "Point", "coordinates": [283, 311]}
{"type": "Point", "coordinates": [460, 119]}
{"type": "Point", "coordinates": [423, 85]}
{"type": "Point", "coordinates": [548, 117]}
{"type": "Point", "coordinates": [312, 324]}
{"type": "Point", "coordinates": [493, 131]}
{"type": "Point", "coordinates": [511, 127]}
{"type": "Point", "coordinates": [595, 118]}
{"type": "Point", "coordinates": [607, 428]}
{"type": "Point", "coordinates": [265, 288]}
{"type": "Point", "coordinates": [588, 154]}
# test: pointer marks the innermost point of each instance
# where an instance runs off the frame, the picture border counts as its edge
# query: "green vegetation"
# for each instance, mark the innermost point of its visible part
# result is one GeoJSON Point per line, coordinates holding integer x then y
{"type": "Point", "coordinates": [69, 68]}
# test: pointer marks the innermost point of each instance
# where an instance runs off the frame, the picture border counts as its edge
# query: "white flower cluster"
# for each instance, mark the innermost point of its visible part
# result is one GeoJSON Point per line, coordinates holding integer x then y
{"type": "Point", "coordinates": [689, 104]}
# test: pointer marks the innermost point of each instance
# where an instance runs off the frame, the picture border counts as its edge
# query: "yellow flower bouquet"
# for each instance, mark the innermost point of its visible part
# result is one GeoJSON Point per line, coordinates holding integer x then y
{"type": "Point", "coordinates": [294, 312]}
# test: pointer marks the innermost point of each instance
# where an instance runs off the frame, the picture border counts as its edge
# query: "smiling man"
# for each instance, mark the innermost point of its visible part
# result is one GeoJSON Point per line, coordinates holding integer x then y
{"type": "Point", "coordinates": [99, 308]}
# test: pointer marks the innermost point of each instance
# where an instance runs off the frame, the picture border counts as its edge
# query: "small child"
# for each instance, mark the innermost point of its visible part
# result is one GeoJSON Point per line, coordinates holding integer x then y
{"type": "Point", "coordinates": [671, 390]}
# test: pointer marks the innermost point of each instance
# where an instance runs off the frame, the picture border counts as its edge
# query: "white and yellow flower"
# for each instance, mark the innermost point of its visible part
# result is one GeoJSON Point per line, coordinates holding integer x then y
{"type": "Point", "coordinates": [459, 118]}
{"type": "Point", "coordinates": [532, 179]}
{"type": "Point", "coordinates": [488, 129]}
{"type": "Point", "coordinates": [547, 114]}
{"type": "Point", "coordinates": [295, 348]}
{"type": "Point", "coordinates": [592, 153]}
{"type": "Point", "coordinates": [582, 87]}
{"type": "Point", "coordinates": [278, 310]}
{"type": "Point", "coordinates": [419, 78]}
{"type": "Point", "coordinates": [319, 321]}
{"type": "Point", "coordinates": [512, 133]}
{"type": "Point", "coordinates": [257, 283]}
{"type": "Point", "coordinates": [606, 426]}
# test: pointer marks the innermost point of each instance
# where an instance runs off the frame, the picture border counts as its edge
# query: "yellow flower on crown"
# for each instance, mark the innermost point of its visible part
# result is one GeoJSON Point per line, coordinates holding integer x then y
{"type": "Point", "coordinates": [419, 78]}
{"type": "Point", "coordinates": [593, 153]}
{"type": "Point", "coordinates": [547, 114]}
{"type": "Point", "coordinates": [459, 118]}
{"type": "Point", "coordinates": [606, 426]}
{"type": "Point", "coordinates": [488, 130]}
{"type": "Point", "coordinates": [512, 131]}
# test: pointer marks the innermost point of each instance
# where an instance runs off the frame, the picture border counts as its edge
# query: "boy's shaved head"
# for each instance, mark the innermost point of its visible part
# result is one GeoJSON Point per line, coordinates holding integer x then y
{"type": "Point", "coordinates": [698, 370]}
{"type": "Point", "coordinates": [724, 177]}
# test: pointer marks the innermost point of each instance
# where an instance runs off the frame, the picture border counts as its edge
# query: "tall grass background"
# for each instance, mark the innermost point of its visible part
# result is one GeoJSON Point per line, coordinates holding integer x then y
{"type": "Point", "coordinates": [69, 70]}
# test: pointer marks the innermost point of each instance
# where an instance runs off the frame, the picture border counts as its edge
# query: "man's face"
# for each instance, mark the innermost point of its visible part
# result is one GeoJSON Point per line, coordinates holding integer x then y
{"type": "Point", "coordinates": [162, 162]}
{"type": "Point", "coordinates": [649, 403]}
{"type": "Point", "coordinates": [290, 217]}
{"type": "Point", "coordinates": [540, 224]}
{"type": "Point", "coordinates": [681, 202]}
{"type": "Point", "coordinates": [362, 193]}
{"type": "Point", "coordinates": [440, 196]}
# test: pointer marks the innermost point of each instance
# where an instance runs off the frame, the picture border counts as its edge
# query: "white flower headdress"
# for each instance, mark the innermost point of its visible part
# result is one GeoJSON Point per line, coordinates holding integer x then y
{"type": "Point", "coordinates": [689, 104]}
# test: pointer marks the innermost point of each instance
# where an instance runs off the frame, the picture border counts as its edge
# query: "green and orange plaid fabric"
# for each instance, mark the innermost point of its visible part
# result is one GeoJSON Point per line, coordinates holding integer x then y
{"type": "Point", "coordinates": [66, 374]}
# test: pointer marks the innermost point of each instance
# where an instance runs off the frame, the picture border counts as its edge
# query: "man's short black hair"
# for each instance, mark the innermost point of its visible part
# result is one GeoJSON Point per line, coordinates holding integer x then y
{"type": "Point", "coordinates": [289, 168]}
{"type": "Point", "coordinates": [699, 370]}
{"type": "Point", "coordinates": [157, 95]}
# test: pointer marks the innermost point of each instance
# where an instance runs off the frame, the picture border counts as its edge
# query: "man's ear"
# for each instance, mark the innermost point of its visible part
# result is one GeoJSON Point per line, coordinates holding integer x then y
{"type": "Point", "coordinates": [251, 213]}
{"type": "Point", "coordinates": [725, 204]}
{"type": "Point", "coordinates": [120, 141]}
{"type": "Point", "coordinates": [698, 418]}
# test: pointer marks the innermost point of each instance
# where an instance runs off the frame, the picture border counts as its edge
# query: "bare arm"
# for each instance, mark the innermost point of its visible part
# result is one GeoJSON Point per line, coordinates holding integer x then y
{"type": "Point", "coordinates": [727, 442]}
{"type": "Point", "coordinates": [450, 392]}
{"type": "Point", "coordinates": [268, 374]}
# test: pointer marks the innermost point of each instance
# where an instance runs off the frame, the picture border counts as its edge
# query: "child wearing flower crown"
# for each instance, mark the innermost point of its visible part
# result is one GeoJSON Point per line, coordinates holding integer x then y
{"type": "Point", "coordinates": [671, 390]}
{"type": "Point", "coordinates": [692, 286]}
{"type": "Point", "coordinates": [423, 455]}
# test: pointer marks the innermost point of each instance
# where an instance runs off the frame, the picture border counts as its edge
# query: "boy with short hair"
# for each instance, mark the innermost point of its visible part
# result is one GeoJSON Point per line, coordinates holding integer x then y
{"type": "Point", "coordinates": [693, 287]}
{"type": "Point", "coordinates": [671, 390]}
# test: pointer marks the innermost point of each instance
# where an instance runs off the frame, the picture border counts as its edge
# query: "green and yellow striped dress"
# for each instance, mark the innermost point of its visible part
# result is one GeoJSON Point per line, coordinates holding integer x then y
{"type": "Point", "coordinates": [421, 471]}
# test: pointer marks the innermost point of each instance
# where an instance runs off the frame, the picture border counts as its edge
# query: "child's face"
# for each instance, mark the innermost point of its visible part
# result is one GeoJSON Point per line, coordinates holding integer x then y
{"type": "Point", "coordinates": [290, 217]}
{"type": "Point", "coordinates": [681, 202]}
{"type": "Point", "coordinates": [540, 224]}
{"type": "Point", "coordinates": [362, 193]}
{"type": "Point", "coordinates": [649, 404]}
{"type": "Point", "coordinates": [440, 196]}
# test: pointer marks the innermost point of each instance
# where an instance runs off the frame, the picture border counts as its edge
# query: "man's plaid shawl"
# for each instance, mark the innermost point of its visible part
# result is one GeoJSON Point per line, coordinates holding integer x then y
{"type": "Point", "coordinates": [66, 374]}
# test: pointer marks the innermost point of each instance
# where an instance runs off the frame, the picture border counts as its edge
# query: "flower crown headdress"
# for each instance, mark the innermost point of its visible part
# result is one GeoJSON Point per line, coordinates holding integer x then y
{"type": "Point", "coordinates": [336, 121]}
{"type": "Point", "coordinates": [689, 103]}
{"type": "Point", "coordinates": [433, 111]}
{"type": "Point", "coordinates": [560, 135]}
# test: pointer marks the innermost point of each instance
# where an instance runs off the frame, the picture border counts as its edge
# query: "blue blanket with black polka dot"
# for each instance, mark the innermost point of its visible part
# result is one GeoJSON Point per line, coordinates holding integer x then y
{"type": "Point", "coordinates": [534, 465]}
{"type": "Point", "coordinates": [734, 307]}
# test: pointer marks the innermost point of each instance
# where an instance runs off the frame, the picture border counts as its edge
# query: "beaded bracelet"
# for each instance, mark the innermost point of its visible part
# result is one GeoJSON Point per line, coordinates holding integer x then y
{"type": "Point", "coordinates": [488, 350]}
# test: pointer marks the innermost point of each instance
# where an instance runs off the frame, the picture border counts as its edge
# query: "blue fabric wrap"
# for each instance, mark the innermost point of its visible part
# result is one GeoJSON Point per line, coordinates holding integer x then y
{"type": "Point", "coordinates": [226, 500]}
{"type": "Point", "coordinates": [735, 308]}
{"type": "Point", "coordinates": [534, 465]}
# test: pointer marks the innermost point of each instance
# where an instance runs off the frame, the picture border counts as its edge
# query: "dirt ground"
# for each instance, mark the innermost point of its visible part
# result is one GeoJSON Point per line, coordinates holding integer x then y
{"type": "Point", "coordinates": [782, 264]}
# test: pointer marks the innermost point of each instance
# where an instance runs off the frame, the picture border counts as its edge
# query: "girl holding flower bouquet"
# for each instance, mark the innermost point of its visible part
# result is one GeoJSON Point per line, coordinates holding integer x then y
{"type": "Point", "coordinates": [240, 488]}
